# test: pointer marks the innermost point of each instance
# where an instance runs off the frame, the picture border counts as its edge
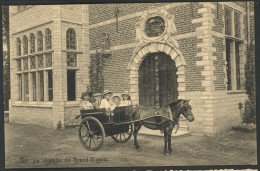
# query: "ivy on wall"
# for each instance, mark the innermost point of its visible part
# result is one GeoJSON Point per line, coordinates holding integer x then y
{"type": "Point", "coordinates": [95, 73]}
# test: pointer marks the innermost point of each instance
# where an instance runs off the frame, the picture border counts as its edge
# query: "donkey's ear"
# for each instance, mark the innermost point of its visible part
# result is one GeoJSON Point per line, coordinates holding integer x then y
{"type": "Point", "coordinates": [188, 100]}
{"type": "Point", "coordinates": [182, 102]}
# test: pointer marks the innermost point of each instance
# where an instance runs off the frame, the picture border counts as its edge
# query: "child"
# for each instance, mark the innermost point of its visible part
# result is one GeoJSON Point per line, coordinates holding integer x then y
{"type": "Point", "coordinates": [105, 101]}
{"type": "Point", "coordinates": [126, 99]}
{"type": "Point", "coordinates": [98, 98]}
{"type": "Point", "coordinates": [85, 103]}
{"type": "Point", "coordinates": [116, 102]}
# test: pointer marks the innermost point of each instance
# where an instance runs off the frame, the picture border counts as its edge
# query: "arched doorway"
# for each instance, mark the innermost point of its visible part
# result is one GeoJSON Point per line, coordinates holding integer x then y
{"type": "Point", "coordinates": [157, 81]}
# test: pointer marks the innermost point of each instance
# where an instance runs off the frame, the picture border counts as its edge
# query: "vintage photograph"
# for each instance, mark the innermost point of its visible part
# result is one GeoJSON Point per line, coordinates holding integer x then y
{"type": "Point", "coordinates": [129, 84]}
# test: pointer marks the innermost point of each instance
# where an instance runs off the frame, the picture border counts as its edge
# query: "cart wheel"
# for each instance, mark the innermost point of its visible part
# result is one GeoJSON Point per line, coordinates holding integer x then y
{"type": "Point", "coordinates": [91, 133]}
{"type": "Point", "coordinates": [124, 137]}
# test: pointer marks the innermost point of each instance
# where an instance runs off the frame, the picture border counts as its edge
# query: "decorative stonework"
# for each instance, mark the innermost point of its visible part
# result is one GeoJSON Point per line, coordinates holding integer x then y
{"type": "Point", "coordinates": [166, 34]}
{"type": "Point", "coordinates": [163, 42]}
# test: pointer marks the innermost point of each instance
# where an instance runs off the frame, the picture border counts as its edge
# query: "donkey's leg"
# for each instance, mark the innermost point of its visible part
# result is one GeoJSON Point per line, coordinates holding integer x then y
{"type": "Point", "coordinates": [169, 140]}
{"type": "Point", "coordinates": [138, 125]}
{"type": "Point", "coordinates": [166, 130]}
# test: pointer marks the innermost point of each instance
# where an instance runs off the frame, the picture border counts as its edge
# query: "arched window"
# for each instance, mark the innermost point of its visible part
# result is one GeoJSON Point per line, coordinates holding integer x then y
{"type": "Point", "coordinates": [48, 39]}
{"type": "Point", "coordinates": [32, 43]}
{"type": "Point", "coordinates": [25, 45]}
{"type": "Point", "coordinates": [40, 41]}
{"type": "Point", "coordinates": [71, 39]}
{"type": "Point", "coordinates": [18, 46]}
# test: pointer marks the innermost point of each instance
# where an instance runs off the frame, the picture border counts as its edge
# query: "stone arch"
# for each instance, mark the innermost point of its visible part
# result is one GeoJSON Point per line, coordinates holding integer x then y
{"type": "Point", "coordinates": [141, 52]}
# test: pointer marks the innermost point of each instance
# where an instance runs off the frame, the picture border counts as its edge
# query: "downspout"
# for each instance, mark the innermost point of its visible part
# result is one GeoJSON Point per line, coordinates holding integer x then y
{"type": "Point", "coordinates": [248, 24]}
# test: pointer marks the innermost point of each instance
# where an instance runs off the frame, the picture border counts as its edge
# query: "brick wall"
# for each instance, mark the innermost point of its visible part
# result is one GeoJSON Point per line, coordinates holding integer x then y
{"type": "Point", "coordinates": [219, 64]}
{"type": "Point", "coordinates": [193, 75]}
{"type": "Point", "coordinates": [125, 35]}
{"type": "Point", "coordinates": [115, 75]}
{"type": "Point", "coordinates": [32, 115]}
{"type": "Point", "coordinates": [103, 12]}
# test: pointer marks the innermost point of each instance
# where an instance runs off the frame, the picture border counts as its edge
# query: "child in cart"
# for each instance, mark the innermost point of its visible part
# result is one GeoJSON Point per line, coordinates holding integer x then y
{"type": "Point", "coordinates": [85, 101]}
{"type": "Point", "coordinates": [126, 99]}
{"type": "Point", "coordinates": [116, 102]}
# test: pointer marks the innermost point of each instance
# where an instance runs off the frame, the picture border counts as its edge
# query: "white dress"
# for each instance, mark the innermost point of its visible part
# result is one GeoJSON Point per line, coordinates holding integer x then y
{"type": "Point", "coordinates": [105, 104]}
{"type": "Point", "coordinates": [84, 105]}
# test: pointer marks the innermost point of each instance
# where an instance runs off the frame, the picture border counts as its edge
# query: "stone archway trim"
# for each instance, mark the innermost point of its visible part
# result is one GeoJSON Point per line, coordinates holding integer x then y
{"type": "Point", "coordinates": [152, 47]}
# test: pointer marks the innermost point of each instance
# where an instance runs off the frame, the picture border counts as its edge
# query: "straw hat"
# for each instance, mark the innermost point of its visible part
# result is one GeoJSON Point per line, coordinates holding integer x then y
{"type": "Point", "coordinates": [125, 93]}
{"type": "Point", "coordinates": [107, 92]}
{"type": "Point", "coordinates": [115, 97]}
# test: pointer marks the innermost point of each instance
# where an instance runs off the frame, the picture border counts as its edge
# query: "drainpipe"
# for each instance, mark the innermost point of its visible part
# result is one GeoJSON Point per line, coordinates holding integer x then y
{"type": "Point", "coordinates": [248, 23]}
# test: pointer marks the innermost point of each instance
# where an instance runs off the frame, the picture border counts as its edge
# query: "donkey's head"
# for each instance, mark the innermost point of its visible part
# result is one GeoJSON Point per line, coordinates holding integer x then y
{"type": "Point", "coordinates": [185, 110]}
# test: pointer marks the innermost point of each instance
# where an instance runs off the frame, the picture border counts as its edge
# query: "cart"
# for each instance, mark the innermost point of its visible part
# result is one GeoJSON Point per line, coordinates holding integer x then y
{"type": "Point", "coordinates": [97, 124]}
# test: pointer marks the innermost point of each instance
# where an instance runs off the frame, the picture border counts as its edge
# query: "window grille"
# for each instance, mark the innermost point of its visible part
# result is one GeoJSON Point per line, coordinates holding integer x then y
{"type": "Point", "coordinates": [25, 45]}
{"type": "Point", "coordinates": [71, 60]}
{"type": "Point", "coordinates": [32, 43]}
{"type": "Point", "coordinates": [154, 26]}
{"type": "Point", "coordinates": [237, 65]}
{"type": "Point", "coordinates": [41, 77]}
{"type": "Point", "coordinates": [26, 87]}
{"type": "Point", "coordinates": [32, 62]}
{"type": "Point", "coordinates": [34, 85]}
{"type": "Point", "coordinates": [237, 24]}
{"type": "Point", "coordinates": [48, 39]}
{"type": "Point", "coordinates": [48, 58]}
{"type": "Point", "coordinates": [40, 61]}
{"type": "Point", "coordinates": [228, 65]}
{"type": "Point", "coordinates": [50, 85]}
{"type": "Point", "coordinates": [19, 65]}
{"type": "Point", "coordinates": [228, 21]}
{"type": "Point", "coordinates": [25, 63]}
{"type": "Point", "coordinates": [40, 41]}
{"type": "Point", "coordinates": [20, 83]}
{"type": "Point", "coordinates": [18, 44]}
{"type": "Point", "coordinates": [71, 39]}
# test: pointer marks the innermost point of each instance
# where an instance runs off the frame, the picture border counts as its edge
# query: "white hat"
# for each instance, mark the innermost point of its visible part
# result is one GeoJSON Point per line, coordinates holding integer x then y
{"type": "Point", "coordinates": [125, 93]}
{"type": "Point", "coordinates": [107, 92]}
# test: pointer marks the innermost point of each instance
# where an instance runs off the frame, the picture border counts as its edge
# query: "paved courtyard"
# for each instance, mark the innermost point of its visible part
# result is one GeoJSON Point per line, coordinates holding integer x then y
{"type": "Point", "coordinates": [35, 146]}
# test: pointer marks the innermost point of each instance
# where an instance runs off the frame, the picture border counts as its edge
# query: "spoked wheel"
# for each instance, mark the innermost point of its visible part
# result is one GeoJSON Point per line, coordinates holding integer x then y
{"type": "Point", "coordinates": [125, 136]}
{"type": "Point", "coordinates": [91, 133]}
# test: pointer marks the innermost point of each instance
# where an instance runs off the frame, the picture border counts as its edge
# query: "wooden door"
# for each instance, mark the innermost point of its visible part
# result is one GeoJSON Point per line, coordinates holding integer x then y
{"type": "Point", "coordinates": [157, 80]}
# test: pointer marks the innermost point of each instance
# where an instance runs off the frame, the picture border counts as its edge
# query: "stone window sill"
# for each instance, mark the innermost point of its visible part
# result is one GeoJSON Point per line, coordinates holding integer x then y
{"type": "Point", "coordinates": [33, 104]}
{"type": "Point", "coordinates": [236, 91]}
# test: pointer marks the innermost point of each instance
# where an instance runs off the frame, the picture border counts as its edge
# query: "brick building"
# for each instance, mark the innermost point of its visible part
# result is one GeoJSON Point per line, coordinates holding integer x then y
{"type": "Point", "coordinates": [159, 52]}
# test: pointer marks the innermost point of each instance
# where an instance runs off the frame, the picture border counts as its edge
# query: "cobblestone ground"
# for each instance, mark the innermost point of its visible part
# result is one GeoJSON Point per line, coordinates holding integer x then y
{"type": "Point", "coordinates": [30, 146]}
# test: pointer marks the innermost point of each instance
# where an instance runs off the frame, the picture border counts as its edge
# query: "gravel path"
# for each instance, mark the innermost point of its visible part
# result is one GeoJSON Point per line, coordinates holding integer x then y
{"type": "Point", "coordinates": [30, 146]}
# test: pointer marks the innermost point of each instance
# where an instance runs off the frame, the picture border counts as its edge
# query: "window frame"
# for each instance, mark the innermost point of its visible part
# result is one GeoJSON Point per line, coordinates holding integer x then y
{"type": "Point", "coordinates": [48, 39]}
{"type": "Point", "coordinates": [233, 52]}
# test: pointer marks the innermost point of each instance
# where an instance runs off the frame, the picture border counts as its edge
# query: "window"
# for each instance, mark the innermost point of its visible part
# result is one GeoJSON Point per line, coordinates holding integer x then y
{"type": "Point", "coordinates": [26, 87]}
{"type": "Point", "coordinates": [71, 62]}
{"type": "Point", "coordinates": [18, 46]}
{"type": "Point", "coordinates": [154, 26]}
{"type": "Point", "coordinates": [234, 48]}
{"type": "Point", "coordinates": [71, 59]}
{"type": "Point", "coordinates": [40, 41]}
{"type": "Point", "coordinates": [71, 39]}
{"type": "Point", "coordinates": [50, 85]}
{"type": "Point", "coordinates": [32, 43]}
{"type": "Point", "coordinates": [25, 45]}
{"type": "Point", "coordinates": [34, 85]}
{"type": "Point", "coordinates": [32, 62]}
{"type": "Point", "coordinates": [25, 63]}
{"type": "Point", "coordinates": [20, 83]}
{"type": "Point", "coordinates": [49, 60]}
{"type": "Point", "coordinates": [71, 85]}
{"type": "Point", "coordinates": [34, 72]}
{"type": "Point", "coordinates": [48, 39]}
{"type": "Point", "coordinates": [41, 78]}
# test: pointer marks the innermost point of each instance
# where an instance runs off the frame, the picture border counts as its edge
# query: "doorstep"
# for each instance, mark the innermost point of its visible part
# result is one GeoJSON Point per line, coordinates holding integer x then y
{"type": "Point", "coordinates": [180, 132]}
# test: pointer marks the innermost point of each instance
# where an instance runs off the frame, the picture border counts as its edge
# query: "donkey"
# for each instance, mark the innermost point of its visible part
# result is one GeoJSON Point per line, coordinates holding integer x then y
{"type": "Point", "coordinates": [161, 119]}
